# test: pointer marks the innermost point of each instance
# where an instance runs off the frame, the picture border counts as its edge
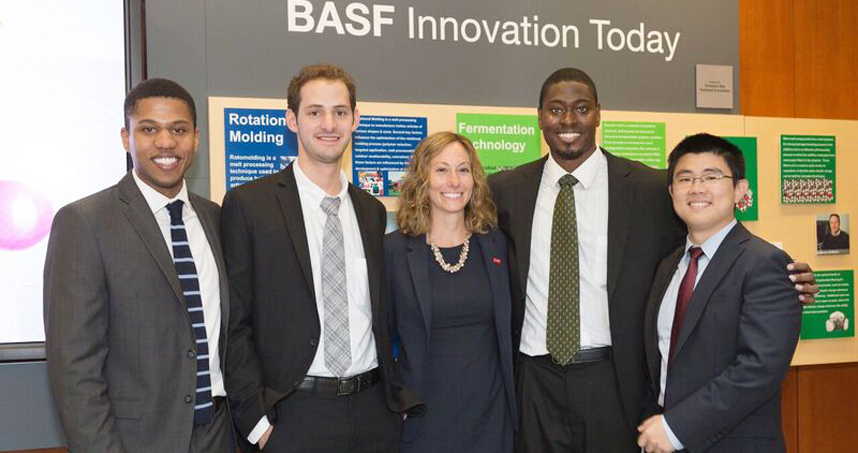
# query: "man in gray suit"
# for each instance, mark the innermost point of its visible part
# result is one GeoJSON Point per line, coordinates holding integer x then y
{"type": "Point", "coordinates": [136, 297]}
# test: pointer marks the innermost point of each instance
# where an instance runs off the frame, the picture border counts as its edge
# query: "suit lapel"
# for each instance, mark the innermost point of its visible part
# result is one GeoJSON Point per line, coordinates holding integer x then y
{"type": "Point", "coordinates": [418, 263]}
{"type": "Point", "coordinates": [526, 191]}
{"type": "Point", "coordinates": [290, 208]}
{"type": "Point", "coordinates": [620, 197]}
{"type": "Point", "coordinates": [487, 247]}
{"type": "Point", "coordinates": [367, 219]}
{"type": "Point", "coordinates": [728, 252]}
{"type": "Point", "coordinates": [659, 286]}
{"type": "Point", "coordinates": [211, 229]}
{"type": "Point", "coordinates": [138, 213]}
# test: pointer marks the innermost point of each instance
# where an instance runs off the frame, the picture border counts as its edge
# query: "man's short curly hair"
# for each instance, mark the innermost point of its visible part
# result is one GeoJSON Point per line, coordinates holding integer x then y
{"type": "Point", "coordinates": [319, 71]}
{"type": "Point", "coordinates": [157, 88]}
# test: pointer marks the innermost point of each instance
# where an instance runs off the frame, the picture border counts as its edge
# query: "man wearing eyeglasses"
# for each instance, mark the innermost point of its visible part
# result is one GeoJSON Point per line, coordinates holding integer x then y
{"type": "Point", "coordinates": [721, 323]}
{"type": "Point", "coordinates": [577, 318]}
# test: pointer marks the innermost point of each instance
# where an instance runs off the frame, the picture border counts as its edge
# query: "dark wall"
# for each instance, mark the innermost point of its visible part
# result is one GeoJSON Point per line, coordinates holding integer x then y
{"type": "Point", "coordinates": [27, 418]}
{"type": "Point", "coordinates": [245, 49]}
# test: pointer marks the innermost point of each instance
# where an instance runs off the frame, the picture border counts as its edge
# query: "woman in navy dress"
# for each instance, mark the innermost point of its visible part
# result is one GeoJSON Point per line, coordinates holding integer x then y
{"type": "Point", "coordinates": [448, 283]}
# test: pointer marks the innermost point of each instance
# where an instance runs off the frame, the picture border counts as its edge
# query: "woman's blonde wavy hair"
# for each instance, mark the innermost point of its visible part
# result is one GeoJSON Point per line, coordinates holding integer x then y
{"type": "Point", "coordinates": [413, 216]}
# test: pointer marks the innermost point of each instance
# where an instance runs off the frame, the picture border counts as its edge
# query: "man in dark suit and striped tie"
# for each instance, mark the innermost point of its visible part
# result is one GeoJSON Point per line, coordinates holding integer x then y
{"type": "Point", "coordinates": [136, 297]}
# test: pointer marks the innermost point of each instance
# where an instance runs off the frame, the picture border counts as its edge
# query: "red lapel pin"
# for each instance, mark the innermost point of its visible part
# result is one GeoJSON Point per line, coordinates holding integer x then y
{"type": "Point", "coordinates": [497, 261]}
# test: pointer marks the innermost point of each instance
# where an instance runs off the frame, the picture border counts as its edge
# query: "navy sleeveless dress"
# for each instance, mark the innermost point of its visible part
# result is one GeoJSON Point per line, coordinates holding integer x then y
{"type": "Point", "coordinates": [463, 390]}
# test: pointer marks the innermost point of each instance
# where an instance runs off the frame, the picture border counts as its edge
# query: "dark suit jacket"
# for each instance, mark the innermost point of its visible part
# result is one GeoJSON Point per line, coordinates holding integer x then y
{"type": "Point", "coordinates": [642, 229]}
{"type": "Point", "coordinates": [410, 294]}
{"type": "Point", "coordinates": [734, 348]}
{"type": "Point", "coordinates": [274, 325]}
{"type": "Point", "coordinates": [839, 242]}
{"type": "Point", "coordinates": [117, 329]}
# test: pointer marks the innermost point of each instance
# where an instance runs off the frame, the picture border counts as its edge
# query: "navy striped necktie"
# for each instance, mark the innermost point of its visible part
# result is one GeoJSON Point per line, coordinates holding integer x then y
{"type": "Point", "coordinates": [187, 271]}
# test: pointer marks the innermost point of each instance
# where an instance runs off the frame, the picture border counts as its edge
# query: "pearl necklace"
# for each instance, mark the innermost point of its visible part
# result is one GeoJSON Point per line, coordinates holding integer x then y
{"type": "Point", "coordinates": [463, 256]}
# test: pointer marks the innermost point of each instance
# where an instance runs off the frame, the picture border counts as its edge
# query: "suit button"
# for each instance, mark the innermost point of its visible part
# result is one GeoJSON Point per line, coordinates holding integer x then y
{"type": "Point", "coordinates": [314, 342]}
{"type": "Point", "coordinates": [192, 354]}
{"type": "Point", "coordinates": [188, 399]}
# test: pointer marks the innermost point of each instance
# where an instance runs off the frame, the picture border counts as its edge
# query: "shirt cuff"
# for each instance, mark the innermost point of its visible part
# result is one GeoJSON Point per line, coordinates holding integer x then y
{"type": "Point", "coordinates": [677, 445]}
{"type": "Point", "coordinates": [259, 430]}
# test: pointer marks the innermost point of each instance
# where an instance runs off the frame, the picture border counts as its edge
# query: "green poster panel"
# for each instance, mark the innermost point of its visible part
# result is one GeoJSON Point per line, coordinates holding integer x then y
{"type": "Point", "coordinates": [807, 169]}
{"type": "Point", "coordinates": [832, 316]}
{"type": "Point", "coordinates": [640, 141]}
{"type": "Point", "coordinates": [748, 146]}
{"type": "Point", "coordinates": [502, 141]}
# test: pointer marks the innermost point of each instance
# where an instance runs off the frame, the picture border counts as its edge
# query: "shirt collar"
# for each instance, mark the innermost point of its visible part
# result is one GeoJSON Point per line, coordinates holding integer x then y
{"type": "Point", "coordinates": [585, 173]}
{"type": "Point", "coordinates": [316, 193]}
{"type": "Point", "coordinates": [710, 246]}
{"type": "Point", "coordinates": [156, 200]}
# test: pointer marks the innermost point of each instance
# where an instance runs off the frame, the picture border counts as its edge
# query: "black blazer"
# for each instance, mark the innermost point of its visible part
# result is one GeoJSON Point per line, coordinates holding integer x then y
{"type": "Point", "coordinates": [274, 322]}
{"type": "Point", "coordinates": [642, 230]}
{"type": "Point", "coordinates": [410, 296]}
{"type": "Point", "coordinates": [734, 348]}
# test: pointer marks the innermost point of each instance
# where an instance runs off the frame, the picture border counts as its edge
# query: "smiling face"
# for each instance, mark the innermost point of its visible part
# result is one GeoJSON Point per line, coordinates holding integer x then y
{"type": "Point", "coordinates": [162, 141]}
{"type": "Point", "coordinates": [705, 207]}
{"type": "Point", "coordinates": [451, 181]}
{"type": "Point", "coordinates": [568, 119]}
{"type": "Point", "coordinates": [324, 122]}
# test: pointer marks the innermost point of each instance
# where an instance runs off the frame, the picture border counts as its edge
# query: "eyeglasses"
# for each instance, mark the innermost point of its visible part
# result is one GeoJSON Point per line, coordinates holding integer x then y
{"type": "Point", "coordinates": [708, 179]}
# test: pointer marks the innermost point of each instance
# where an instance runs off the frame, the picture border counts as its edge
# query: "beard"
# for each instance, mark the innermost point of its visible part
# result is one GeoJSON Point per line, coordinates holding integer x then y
{"type": "Point", "coordinates": [565, 153]}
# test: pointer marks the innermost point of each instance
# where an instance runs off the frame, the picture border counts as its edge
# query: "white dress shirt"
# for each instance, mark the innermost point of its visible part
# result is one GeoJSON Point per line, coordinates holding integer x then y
{"type": "Point", "coordinates": [357, 280]}
{"type": "Point", "coordinates": [591, 209]}
{"type": "Point", "coordinates": [668, 306]}
{"type": "Point", "coordinates": [364, 357]}
{"type": "Point", "coordinates": [207, 271]}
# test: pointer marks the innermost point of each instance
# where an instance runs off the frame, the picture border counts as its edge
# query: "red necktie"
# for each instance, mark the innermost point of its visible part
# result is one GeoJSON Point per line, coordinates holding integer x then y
{"type": "Point", "coordinates": [686, 289]}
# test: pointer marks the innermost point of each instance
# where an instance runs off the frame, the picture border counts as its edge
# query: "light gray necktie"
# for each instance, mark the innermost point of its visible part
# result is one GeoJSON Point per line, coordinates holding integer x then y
{"type": "Point", "coordinates": [338, 351]}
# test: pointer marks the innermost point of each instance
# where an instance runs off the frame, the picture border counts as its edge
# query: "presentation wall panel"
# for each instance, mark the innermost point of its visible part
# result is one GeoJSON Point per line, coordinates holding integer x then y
{"type": "Point", "coordinates": [498, 131]}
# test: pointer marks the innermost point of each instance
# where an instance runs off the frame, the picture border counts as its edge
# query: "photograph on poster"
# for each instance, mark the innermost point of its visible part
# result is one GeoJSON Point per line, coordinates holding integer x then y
{"type": "Point", "coordinates": [832, 236]}
{"type": "Point", "coordinates": [394, 179]}
{"type": "Point", "coordinates": [381, 149]}
{"type": "Point", "coordinates": [748, 207]}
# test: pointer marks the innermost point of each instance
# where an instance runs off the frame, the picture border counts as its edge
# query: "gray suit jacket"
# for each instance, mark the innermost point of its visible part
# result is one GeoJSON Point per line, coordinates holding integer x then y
{"type": "Point", "coordinates": [119, 340]}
